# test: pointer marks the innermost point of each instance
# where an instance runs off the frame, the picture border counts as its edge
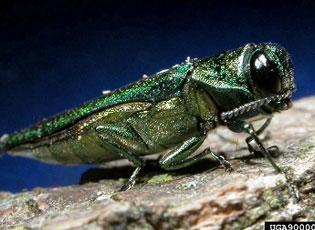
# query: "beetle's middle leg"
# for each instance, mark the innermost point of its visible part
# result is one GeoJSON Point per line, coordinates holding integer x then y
{"type": "Point", "coordinates": [123, 140]}
{"type": "Point", "coordinates": [180, 156]}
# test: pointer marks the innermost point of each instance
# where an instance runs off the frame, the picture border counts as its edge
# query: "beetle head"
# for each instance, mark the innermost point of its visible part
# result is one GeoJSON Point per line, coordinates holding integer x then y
{"type": "Point", "coordinates": [248, 81]}
{"type": "Point", "coordinates": [271, 76]}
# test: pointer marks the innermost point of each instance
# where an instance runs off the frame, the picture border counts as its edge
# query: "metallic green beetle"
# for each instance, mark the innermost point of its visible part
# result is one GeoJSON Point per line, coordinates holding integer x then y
{"type": "Point", "coordinates": [171, 110]}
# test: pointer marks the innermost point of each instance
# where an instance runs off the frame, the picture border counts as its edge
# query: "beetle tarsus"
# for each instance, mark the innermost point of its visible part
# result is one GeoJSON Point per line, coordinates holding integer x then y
{"type": "Point", "coordinates": [226, 164]}
{"type": "Point", "coordinates": [274, 151]}
{"type": "Point", "coordinates": [293, 190]}
{"type": "Point", "coordinates": [132, 180]}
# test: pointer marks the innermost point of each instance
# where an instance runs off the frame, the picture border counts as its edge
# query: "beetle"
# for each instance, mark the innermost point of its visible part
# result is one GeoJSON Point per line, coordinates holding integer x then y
{"type": "Point", "coordinates": [171, 110]}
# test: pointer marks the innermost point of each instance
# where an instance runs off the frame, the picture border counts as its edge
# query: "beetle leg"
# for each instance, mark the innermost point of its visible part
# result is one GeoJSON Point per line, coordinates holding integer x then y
{"type": "Point", "coordinates": [248, 128]}
{"type": "Point", "coordinates": [264, 126]}
{"type": "Point", "coordinates": [258, 132]}
{"type": "Point", "coordinates": [226, 165]}
{"type": "Point", "coordinates": [261, 129]}
{"type": "Point", "coordinates": [273, 150]}
{"type": "Point", "coordinates": [242, 126]}
{"type": "Point", "coordinates": [122, 140]}
{"type": "Point", "coordinates": [180, 156]}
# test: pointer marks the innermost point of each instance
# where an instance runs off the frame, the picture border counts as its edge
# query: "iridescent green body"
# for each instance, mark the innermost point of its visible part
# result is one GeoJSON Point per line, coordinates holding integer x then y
{"type": "Point", "coordinates": [171, 110]}
{"type": "Point", "coordinates": [157, 110]}
{"type": "Point", "coordinates": [148, 90]}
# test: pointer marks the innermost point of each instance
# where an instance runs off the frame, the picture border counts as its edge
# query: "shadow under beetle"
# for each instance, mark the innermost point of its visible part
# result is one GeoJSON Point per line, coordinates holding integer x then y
{"type": "Point", "coordinates": [171, 110]}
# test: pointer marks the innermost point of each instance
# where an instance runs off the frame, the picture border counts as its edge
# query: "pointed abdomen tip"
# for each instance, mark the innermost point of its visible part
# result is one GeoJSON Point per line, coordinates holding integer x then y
{"type": "Point", "coordinates": [3, 141]}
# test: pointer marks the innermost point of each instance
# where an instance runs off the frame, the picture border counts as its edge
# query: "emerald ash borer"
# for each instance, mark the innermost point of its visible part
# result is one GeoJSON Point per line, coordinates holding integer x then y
{"type": "Point", "coordinates": [172, 110]}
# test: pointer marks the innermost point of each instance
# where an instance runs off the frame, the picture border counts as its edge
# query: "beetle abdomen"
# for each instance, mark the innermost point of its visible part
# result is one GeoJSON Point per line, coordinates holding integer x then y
{"type": "Point", "coordinates": [169, 85]}
{"type": "Point", "coordinates": [79, 143]}
{"type": "Point", "coordinates": [78, 149]}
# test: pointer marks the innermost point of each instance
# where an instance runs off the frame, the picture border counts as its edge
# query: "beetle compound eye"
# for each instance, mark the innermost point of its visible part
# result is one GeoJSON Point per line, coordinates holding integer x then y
{"type": "Point", "coordinates": [264, 74]}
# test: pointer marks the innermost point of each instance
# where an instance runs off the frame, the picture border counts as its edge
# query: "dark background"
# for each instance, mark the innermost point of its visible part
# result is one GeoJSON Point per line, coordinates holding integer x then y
{"type": "Point", "coordinates": [58, 54]}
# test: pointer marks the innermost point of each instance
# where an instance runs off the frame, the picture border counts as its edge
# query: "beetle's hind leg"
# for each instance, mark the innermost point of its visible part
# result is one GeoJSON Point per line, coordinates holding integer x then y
{"type": "Point", "coordinates": [123, 140]}
{"type": "Point", "coordinates": [180, 156]}
{"type": "Point", "coordinates": [226, 164]}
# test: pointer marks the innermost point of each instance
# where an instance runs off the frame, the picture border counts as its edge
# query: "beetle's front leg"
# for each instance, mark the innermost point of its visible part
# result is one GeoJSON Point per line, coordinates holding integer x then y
{"type": "Point", "coordinates": [248, 128]}
{"type": "Point", "coordinates": [259, 131]}
{"type": "Point", "coordinates": [122, 140]}
{"type": "Point", "coordinates": [239, 126]}
{"type": "Point", "coordinates": [242, 126]}
{"type": "Point", "coordinates": [273, 150]}
{"type": "Point", "coordinates": [180, 156]}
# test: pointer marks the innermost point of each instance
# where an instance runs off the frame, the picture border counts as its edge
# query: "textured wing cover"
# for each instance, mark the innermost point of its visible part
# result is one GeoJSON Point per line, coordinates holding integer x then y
{"type": "Point", "coordinates": [158, 87]}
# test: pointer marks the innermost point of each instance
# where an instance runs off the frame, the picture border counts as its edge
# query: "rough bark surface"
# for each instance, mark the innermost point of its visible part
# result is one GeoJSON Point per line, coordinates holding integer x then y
{"type": "Point", "coordinates": [202, 196]}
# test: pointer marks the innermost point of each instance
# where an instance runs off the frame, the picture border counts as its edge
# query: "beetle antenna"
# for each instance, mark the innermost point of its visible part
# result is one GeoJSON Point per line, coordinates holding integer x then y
{"type": "Point", "coordinates": [251, 106]}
